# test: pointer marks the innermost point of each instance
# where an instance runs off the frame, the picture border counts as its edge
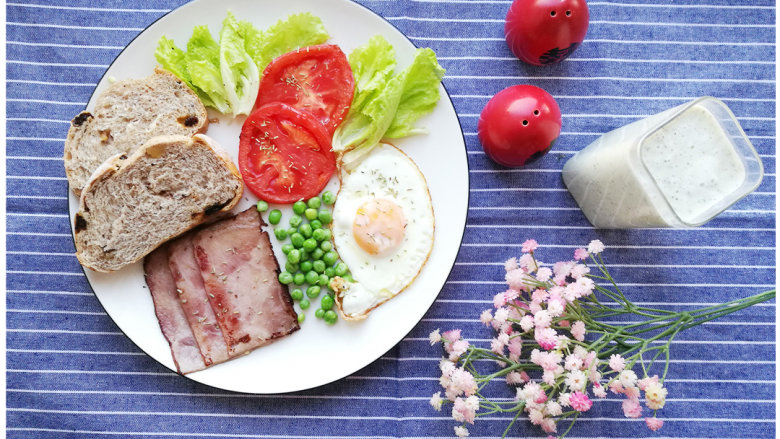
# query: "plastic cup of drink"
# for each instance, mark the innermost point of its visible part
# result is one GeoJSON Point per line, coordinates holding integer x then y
{"type": "Point", "coordinates": [678, 168]}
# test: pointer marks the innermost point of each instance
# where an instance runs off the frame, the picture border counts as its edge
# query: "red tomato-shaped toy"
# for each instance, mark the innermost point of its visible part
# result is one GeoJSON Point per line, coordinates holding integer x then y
{"type": "Point", "coordinates": [543, 32]}
{"type": "Point", "coordinates": [519, 125]}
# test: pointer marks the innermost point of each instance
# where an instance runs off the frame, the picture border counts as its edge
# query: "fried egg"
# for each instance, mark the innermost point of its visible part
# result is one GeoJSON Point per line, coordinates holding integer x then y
{"type": "Point", "coordinates": [383, 226]}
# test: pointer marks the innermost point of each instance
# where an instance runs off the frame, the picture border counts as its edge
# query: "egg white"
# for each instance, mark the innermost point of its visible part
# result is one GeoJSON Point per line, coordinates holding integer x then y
{"type": "Point", "coordinates": [387, 173]}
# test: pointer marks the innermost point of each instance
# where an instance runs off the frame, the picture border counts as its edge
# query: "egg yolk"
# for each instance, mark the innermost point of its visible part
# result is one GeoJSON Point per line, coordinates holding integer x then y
{"type": "Point", "coordinates": [379, 226]}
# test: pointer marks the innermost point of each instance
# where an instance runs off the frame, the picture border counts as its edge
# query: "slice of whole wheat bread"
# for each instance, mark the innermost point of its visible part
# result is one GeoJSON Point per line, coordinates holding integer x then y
{"type": "Point", "coordinates": [126, 115]}
{"type": "Point", "coordinates": [131, 206]}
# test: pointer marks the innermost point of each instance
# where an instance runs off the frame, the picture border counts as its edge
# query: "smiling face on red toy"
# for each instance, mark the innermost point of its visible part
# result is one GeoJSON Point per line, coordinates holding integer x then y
{"type": "Point", "coordinates": [545, 31]}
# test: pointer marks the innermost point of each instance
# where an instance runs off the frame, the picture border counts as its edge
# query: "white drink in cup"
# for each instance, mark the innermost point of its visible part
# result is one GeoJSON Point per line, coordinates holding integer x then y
{"type": "Point", "coordinates": [678, 168]}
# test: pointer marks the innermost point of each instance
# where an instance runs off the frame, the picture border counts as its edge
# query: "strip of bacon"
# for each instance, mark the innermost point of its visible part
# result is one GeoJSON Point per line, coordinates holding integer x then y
{"type": "Point", "coordinates": [170, 314]}
{"type": "Point", "coordinates": [195, 301]}
{"type": "Point", "coordinates": [240, 273]}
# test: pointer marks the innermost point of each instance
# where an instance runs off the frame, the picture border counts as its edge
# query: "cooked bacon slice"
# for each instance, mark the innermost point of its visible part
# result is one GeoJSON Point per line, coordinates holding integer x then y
{"type": "Point", "coordinates": [240, 273]}
{"type": "Point", "coordinates": [170, 314]}
{"type": "Point", "coordinates": [194, 300]}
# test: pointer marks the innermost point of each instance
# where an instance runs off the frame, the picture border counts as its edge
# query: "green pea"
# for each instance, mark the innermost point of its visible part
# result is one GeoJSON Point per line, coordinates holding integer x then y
{"type": "Point", "coordinates": [309, 245]}
{"type": "Point", "coordinates": [318, 266]}
{"type": "Point", "coordinates": [317, 254]}
{"type": "Point", "coordinates": [324, 280]}
{"type": "Point", "coordinates": [291, 267]}
{"type": "Point", "coordinates": [274, 216]}
{"type": "Point", "coordinates": [294, 256]}
{"type": "Point", "coordinates": [286, 248]}
{"type": "Point", "coordinates": [318, 234]}
{"type": "Point", "coordinates": [299, 206]}
{"type": "Point", "coordinates": [304, 304]}
{"type": "Point", "coordinates": [305, 230]}
{"type": "Point", "coordinates": [304, 255]}
{"type": "Point", "coordinates": [330, 317]}
{"type": "Point", "coordinates": [311, 214]}
{"type": "Point", "coordinates": [295, 220]}
{"type": "Point", "coordinates": [285, 277]}
{"type": "Point", "coordinates": [306, 266]}
{"type": "Point", "coordinates": [325, 217]}
{"type": "Point", "coordinates": [319, 313]}
{"type": "Point", "coordinates": [327, 234]}
{"type": "Point", "coordinates": [313, 291]}
{"type": "Point", "coordinates": [291, 230]}
{"type": "Point", "coordinates": [299, 279]}
{"type": "Point", "coordinates": [326, 302]}
{"type": "Point", "coordinates": [330, 258]}
{"type": "Point", "coordinates": [297, 240]}
{"type": "Point", "coordinates": [301, 317]}
{"type": "Point", "coordinates": [326, 246]}
{"type": "Point", "coordinates": [316, 224]}
{"type": "Point", "coordinates": [296, 294]}
{"type": "Point", "coordinates": [341, 269]}
{"type": "Point", "coordinates": [281, 234]}
{"type": "Point", "coordinates": [330, 272]}
{"type": "Point", "coordinates": [262, 206]}
{"type": "Point", "coordinates": [314, 203]}
{"type": "Point", "coordinates": [312, 277]}
{"type": "Point", "coordinates": [328, 198]}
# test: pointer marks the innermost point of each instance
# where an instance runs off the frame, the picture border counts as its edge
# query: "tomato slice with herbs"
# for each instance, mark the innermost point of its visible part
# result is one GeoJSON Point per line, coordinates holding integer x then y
{"type": "Point", "coordinates": [315, 79]}
{"type": "Point", "coordinates": [284, 154]}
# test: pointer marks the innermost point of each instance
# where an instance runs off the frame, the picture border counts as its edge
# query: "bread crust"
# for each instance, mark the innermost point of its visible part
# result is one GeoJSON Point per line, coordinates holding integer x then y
{"type": "Point", "coordinates": [125, 117]}
{"type": "Point", "coordinates": [115, 168]}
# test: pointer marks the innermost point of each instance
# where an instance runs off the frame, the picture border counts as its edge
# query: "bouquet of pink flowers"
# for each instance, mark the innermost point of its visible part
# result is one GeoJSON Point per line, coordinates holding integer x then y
{"type": "Point", "coordinates": [553, 345]}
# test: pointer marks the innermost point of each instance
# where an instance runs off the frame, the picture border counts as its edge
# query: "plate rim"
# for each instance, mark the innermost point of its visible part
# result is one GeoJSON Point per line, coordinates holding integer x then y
{"type": "Point", "coordinates": [372, 360]}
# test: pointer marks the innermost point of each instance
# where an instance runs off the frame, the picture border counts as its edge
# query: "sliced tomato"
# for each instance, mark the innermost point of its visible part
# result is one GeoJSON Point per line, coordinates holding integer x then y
{"type": "Point", "coordinates": [284, 154]}
{"type": "Point", "coordinates": [315, 79]}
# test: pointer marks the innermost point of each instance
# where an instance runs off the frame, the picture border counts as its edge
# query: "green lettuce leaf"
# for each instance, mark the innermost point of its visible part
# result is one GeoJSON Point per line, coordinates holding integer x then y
{"type": "Point", "coordinates": [386, 106]}
{"type": "Point", "coordinates": [239, 71]}
{"type": "Point", "coordinates": [420, 94]}
{"type": "Point", "coordinates": [298, 30]}
{"type": "Point", "coordinates": [203, 66]}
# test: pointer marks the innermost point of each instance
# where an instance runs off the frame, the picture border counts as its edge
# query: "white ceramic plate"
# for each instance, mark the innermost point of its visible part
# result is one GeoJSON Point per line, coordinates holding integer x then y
{"type": "Point", "coordinates": [317, 354]}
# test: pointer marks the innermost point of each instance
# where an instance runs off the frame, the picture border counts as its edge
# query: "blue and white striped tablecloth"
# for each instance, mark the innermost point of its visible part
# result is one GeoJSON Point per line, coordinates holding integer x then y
{"type": "Point", "coordinates": [72, 374]}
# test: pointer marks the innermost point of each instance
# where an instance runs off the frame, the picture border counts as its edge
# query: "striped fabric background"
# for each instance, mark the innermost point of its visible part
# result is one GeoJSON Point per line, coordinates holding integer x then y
{"type": "Point", "coordinates": [72, 374]}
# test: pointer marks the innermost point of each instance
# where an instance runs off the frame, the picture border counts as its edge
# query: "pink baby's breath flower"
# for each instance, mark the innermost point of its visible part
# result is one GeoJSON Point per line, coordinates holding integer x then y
{"type": "Point", "coordinates": [655, 394]}
{"type": "Point", "coordinates": [436, 401]}
{"type": "Point", "coordinates": [515, 348]}
{"type": "Point", "coordinates": [631, 392]}
{"type": "Point", "coordinates": [578, 330]}
{"type": "Point", "coordinates": [510, 264]}
{"type": "Point", "coordinates": [617, 363]}
{"type": "Point", "coordinates": [461, 431]}
{"type": "Point", "coordinates": [516, 279]}
{"type": "Point", "coordinates": [646, 381]}
{"type": "Point", "coordinates": [452, 335]}
{"type": "Point", "coordinates": [434, 337]}
{"type": "Point", "coordinates": [585, 285]}
{"type": "Point", "coordinates": [580, 352]}
{"type": "Point", "coordinates": [631, 408]}
{"type": "Point", "coordinates": [562, 268]}
{"type": "Point", "coordinates": [616, 387]}
{"type": "Point", "coordinates": [511, 294]}
{"type": "Point", "coordinates": [628, 378]}
{"type": "Point", "coordinates": [536, 416]}
{"type": "Point", "coordinates": [654, 423]}
{"type": "Point", "coordinates": [514, 377]}
{"type": "Point", "coordinates": [573, 362]}
{"type": "Point", "coordinates": [553, 408]}
{"type": "Point", "coordinates": [579, 270]}
{"type": "Point", "coordinates": [486, 317]}
{"type": "Point", "coordinates": [549, 377]}
{"type": "Point", "coordinates": [555, 307]}
{"type": "Point", "coordinates": [534, 307]}
{"type": "Point", "coordinates": [463, 382]}
{"type": "Point", "coordinates": [499, 300]}
{"type": "Point", "coordinates": [497, 347]}
{"type": "Point", "coordinates": [539, 296]}
{"type": "Point", "coordinates": [529, 246]}
{"type": "Point", "coordinates": [500, 316]}
{"type": "Point", "coordinates": [580, 402]}
{"type": "Point", "coordinates": [548, 425]}
{"type": "Point", "coordinates": [547, 338]}
{"type": "Point", "coordinates": [599, 390]}
{"type": "Point", "coordinates": [576, 380]}
{"type": "Point", "coordinates": [457, 349]}
{"type": "Point", "coordinates": [527, 263]}
{"type": "Point", "coordinates": [590, 359]}
{"type": "Point", "coordinates": [544, 274]}
{"type": "Point", "coordinates": [564, 399]}
{"type": "Point", "coordinates": [527, 323]}
{"type": "Point", "coordinates": [580, 254]}
{"type": "Point", "coordinates": [595, 247]}
{"type": "Point", "coordinates": [465, 410]}
{"type": "Point", "coordinates": [542, 319]}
